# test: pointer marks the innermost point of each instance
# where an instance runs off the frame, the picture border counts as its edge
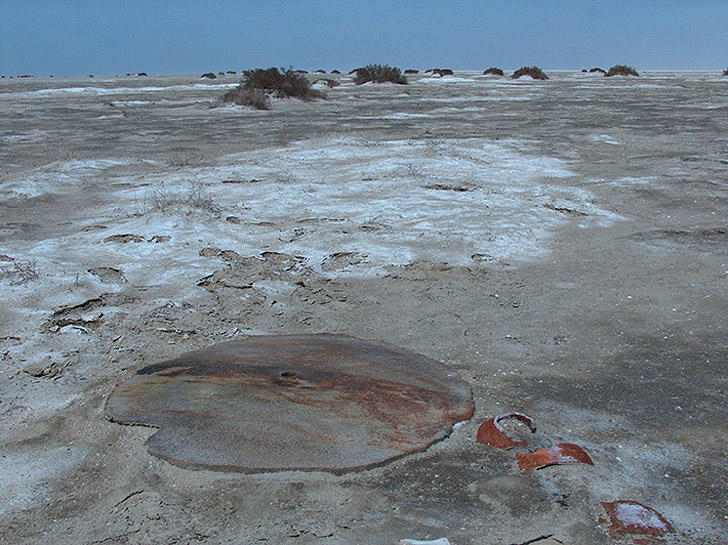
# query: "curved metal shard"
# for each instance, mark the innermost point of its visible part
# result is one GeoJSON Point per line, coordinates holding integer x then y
{"type": "Point", "coordinates": [562, 453]}
{"type": "Point", "coordinates": [328, 402]}
{"type": "Point", "coordinates": [492, 433]}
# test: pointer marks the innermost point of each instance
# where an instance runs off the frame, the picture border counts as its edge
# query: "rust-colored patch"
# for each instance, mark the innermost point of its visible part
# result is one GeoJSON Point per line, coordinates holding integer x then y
{"type": "Point", "coordinates": [491, 433]}
{"type": "Point", "coordinates": [632, 517]}
{"type": "Point", "coordinates": [562, 453]}
{"type": "Point", "coordinates": [267, 403]}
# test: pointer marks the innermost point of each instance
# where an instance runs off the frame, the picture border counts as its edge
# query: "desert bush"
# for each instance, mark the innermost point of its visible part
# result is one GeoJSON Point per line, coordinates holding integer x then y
{"type": "Point", "coordinates": [336, 72]}
{"type": "Point", "coordinates": [621, 70]}
{"type": "Point", "coordinates": [319, 71]}
{"type": "Point", "coordinates": [254, 98]}
{"type": "Point", "coordinates": [411, 71]}
{"type": "Point", "coordinates": [725, 72]}
{"type": "Point", "coordinates": [231, 72]}
{"type": "Point", "coordinates": [534, 71]}
{"type": "Point", "coordinates": [354, 71]}
{"type": "Point", "coordinates": [493, 72]}
{"type": "Point", "coordinates": [208, 75]}
{"type": "Point", "coordinates": [284, 83]}
{"type": "Point", "coordinates": [440, 71]}
{"type": "Point", "coordinates": [379, 73]}
{"type": "Point", "coordinates": [597, 69]}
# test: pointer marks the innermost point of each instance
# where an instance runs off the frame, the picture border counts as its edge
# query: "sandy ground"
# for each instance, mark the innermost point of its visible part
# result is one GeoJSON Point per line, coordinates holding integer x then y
{"type": "Point", "coordinates": [561, 245]}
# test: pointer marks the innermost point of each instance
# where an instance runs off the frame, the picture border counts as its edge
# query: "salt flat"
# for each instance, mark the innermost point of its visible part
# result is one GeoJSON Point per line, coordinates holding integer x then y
{"type": "Point", "coordinates": [561, 245]}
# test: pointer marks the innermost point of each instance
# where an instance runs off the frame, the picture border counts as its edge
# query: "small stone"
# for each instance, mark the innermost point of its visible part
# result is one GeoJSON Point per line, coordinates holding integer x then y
{"type": "Point", "coordinates": [440, 541]}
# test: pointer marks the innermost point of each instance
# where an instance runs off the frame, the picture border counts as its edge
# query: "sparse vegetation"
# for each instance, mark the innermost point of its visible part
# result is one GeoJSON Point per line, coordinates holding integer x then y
{"type": "Point", "coordinates": [597, 69]}
{"type": "Point", "coordinates": [378, 73]}
{"type": "Point", "coordinates": [254, 98]}
{"type": "Point", "coordinates": [330, 83]}
{"type": "Point", "coordinates": [621, 70]}
{"type": "Point", "coordinates": [283, 83]}
{"type": "Point", "coordinates": [411, 71]}
{"type": "Point", "coordinates": [208, 75]}
{"type": "Point", "coordinates": [19, 271]}
{"type": "Point", "coordinates": [725, 72]}
{"type": "Point", "coordinates": [534, 71]}
{"type": "Point", "coordinates": [493, 71]}
{"type": "Point", "coordinates": [162, 199]}
{"type": "Point", "coordinates": [335, 72]}
{"type": "Point", "coordinates": [186, 158]}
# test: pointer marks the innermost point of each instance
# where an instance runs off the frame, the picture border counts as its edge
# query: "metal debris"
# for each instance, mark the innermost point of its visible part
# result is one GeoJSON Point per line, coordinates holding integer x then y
{"type": "Point", "coordinates": [491, 433]}
{"type": "Point", "coordinates": [326, 402]}
{"type": "Point", "coordinates": [562, 453]}
{"type": "Point", "coordinates": [631, 517]}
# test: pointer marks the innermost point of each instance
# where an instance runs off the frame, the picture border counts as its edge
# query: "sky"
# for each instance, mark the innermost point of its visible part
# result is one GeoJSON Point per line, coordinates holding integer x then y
{"type": "Point", "coordinates": [110, 37]}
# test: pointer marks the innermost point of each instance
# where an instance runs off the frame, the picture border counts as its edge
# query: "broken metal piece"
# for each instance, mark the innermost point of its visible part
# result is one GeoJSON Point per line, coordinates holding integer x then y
{"type": "Point", "coordinates": [305, 402]}
{"type": "Point", "coordinates": [632, 517]}
{"type": "Point", "coordinates": [491, 433]}
{"type": "Point", "coordinates": [562, 453]}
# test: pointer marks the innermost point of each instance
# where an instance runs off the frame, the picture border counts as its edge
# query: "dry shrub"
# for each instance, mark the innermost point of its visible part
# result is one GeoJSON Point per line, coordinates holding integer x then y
{"type": "Point", "coordinates": [534, 71]}
{"type": "Point", "coordinates": [597, 69]}
{"type": "Point", "coordinates": [254, 98]}
{"type": "Point", "coordinates": [493, 72]}
{"type": "Point", "coordinates": [335, 72]}
{"type": "Point", "coordinates": [283, 83]}
{"type": "Point", "coordinates": [411, 71]}
{"type": "Point", "coordinates": [621, 70]}
{"type": "Point", "coordinates": [208, 75]}
{"type": "Point", "coordinates": [725, 72]}
{"type": "Point", "coordinates": [379, 73]}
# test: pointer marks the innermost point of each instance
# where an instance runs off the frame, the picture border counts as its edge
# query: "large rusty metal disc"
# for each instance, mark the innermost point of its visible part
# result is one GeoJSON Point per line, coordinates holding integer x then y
{"type": "Point", "coordinates": [267, 403]}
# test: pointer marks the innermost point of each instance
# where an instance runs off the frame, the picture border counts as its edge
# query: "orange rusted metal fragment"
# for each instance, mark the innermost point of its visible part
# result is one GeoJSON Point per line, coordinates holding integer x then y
{"type": "Point", "coordinates": [268, 403]}
{"type": "Point", "coordinates": [632, 517]}
{"type": "Point", "coordinates": [491, 433]}
{"type": "Point", "coordinates": [562, 453]}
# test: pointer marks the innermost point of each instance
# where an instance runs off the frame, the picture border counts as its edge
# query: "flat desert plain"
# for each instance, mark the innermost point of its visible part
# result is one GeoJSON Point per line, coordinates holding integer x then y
{"type": "Point", "coordinates": [560, 245]}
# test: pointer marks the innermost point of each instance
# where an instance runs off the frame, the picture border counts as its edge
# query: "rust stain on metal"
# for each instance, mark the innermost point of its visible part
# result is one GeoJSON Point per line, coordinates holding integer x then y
{"type": "Point", "coordinates": [632, 517]}
{"type": "Point", "coordinates": [492, 433]}
{"type": "Point", "coordinates": [562, 453]}
{"type": "Point", "coordinates": [267, 403]}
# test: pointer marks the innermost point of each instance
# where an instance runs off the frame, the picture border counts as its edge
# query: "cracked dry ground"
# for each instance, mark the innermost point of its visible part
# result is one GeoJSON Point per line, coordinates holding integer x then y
{"type": "Point", "coordinates": [615, 340]}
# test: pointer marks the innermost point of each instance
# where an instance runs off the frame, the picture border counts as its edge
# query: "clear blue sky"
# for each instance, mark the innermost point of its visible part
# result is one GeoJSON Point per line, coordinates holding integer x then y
{"type": "Point", "coordinates": [77, 37]}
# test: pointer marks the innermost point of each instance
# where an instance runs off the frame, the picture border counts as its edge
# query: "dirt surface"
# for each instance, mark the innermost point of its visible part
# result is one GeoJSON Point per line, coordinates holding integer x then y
{"type": "Point", "coordinates": [560, 245]}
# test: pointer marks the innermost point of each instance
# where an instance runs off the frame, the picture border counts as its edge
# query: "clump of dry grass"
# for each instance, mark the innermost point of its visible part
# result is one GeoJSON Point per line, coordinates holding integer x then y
{"type": "Point", "coordinates": [597, 69]}
{"type": "Point", "coordinates": [493, 71]}
{"type": "Point", "coordinates": [162, 199]}
{"type": "Point", "coordinates": [253, 98]}
{"type": "Point", "coordinates": [621, 70]}
{"type": "Point", "coordinates": [411, 71]}
{"type": "Point", "coordinates": [378, 73]}
{"type": "Point", "coordinates": [534, 71]}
